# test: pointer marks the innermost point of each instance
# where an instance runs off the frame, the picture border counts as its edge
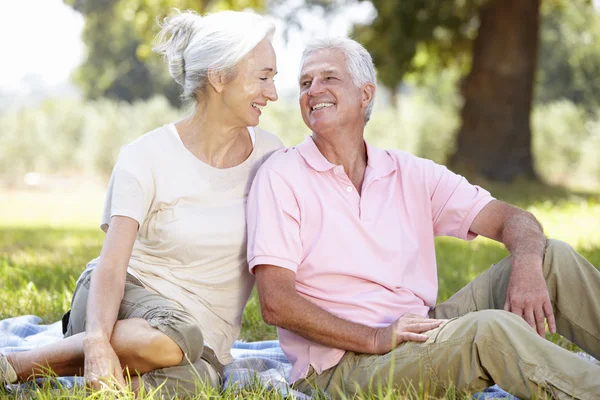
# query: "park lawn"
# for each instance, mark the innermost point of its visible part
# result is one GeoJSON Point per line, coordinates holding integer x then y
{"type": "Point", "coordinates": [45, 243]}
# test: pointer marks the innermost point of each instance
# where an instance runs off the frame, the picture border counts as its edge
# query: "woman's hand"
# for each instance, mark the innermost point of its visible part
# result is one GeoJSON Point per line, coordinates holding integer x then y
{"type": "Point", "coordinates": [102, 366]}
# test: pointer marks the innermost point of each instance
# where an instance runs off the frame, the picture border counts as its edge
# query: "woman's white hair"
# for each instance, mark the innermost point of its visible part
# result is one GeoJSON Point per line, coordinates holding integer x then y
{"type": "Point", "coordinates": [359, 61]}
{"type": "Point", "coordinates": [192, 44]}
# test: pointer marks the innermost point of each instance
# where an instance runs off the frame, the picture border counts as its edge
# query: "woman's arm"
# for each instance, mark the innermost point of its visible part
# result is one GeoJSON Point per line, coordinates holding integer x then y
{"type": "Point", "coordinates": [106, 294]}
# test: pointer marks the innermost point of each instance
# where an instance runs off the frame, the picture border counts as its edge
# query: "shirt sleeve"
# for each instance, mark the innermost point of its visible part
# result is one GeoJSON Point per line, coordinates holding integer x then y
{"type": "Point", "coordinates": [273, 223]}
{"type": "Point", "coordinates": [130, 190]}
{"type": "Point", "coordinates": [455, 202]}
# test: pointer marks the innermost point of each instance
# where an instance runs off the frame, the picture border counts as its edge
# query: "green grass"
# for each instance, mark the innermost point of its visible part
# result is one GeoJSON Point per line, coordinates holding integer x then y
{"type": "Point", "coordinates": [250, 392]}
{"type": "Point", "coordinates": [46, 241]}
{"type": "Point", "coordinates": [39, 267]}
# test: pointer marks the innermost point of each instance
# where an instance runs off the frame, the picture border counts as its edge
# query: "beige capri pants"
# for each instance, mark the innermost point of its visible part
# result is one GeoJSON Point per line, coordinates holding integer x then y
{"type": "Point", "coordinates": [169, 318]}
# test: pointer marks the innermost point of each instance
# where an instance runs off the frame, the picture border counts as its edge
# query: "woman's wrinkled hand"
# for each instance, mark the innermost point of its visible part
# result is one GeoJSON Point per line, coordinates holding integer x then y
{"type": "Point", "coordinates": [102, 366]}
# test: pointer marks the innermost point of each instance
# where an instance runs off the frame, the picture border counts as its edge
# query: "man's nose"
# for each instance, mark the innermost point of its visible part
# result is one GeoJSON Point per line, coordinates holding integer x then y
{"type": "Point", "coordinates": [316, 88]}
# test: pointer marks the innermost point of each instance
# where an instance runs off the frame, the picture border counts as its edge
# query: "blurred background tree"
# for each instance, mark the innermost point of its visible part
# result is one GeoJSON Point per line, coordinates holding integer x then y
{"type": "Point", "coordinates": [118, 35]}
{"type": "Point", "coordinates": [461, 76]}
{"type": "Point", "coordinates": [498, 41]}
{"type": "Point", "coordinates": [569, 57]}
{"type": "Point", "coordinates": [493, 44]}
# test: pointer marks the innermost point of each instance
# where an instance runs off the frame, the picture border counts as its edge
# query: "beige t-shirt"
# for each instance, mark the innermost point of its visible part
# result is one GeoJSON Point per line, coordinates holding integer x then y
{"type": "Point", "coordinates": [191, 244]}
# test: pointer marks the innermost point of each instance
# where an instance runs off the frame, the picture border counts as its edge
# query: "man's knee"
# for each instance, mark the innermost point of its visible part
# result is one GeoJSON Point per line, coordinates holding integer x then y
{"type": "Point", "coordinates": [555, 246]}
{"type": "Point", "coordinates": [497, 324]}
{"type": "Point", "coordinates": [561, 255]}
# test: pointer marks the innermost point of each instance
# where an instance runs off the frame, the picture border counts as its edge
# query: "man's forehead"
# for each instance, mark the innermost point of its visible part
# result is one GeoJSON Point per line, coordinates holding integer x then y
{"type": "Point", "coordinates": [323, 61]}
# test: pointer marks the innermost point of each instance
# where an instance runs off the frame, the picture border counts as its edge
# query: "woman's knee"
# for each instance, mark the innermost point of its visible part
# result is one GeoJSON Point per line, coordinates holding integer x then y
{"type": "Point", "coordinates": [162, 349]}
{"type": "Point", "coordinates": [182, 330]}
{"type": "Point", "coordinates": [143, 347]}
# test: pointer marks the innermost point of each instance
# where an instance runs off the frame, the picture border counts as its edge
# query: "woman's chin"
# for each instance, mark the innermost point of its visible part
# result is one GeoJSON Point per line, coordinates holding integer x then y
{"type": "Point", "coordinates": [253, 121]}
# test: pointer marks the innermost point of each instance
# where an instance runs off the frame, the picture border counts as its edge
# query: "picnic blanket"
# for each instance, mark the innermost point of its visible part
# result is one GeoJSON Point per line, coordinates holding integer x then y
{"type": "Point", "coordinates": [263, 361]}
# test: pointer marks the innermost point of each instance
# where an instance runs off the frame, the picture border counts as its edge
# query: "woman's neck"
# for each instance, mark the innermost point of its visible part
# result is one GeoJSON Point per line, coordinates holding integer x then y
{"type": "Point", "coordinates": [213, 140]}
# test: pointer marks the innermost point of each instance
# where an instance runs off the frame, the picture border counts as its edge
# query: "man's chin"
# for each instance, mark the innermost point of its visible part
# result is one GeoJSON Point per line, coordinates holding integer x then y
{"type": "Point", "coordinates": [322, 124]}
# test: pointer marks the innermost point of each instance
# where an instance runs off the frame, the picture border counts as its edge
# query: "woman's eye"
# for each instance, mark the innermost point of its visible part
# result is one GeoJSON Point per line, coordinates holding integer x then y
{"type": "Point", "coordinates": [263, 79]}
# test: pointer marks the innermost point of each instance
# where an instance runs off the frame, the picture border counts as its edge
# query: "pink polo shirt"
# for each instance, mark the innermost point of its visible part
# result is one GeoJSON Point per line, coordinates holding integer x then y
{"type": "Point", "coordinates": [366, 258]}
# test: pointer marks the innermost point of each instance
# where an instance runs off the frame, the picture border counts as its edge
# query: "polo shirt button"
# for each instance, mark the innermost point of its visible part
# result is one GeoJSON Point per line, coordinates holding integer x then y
{"type": "Point", "coordinates": [348, 189]}
{"type": "Point", "coordinates": [337, 170]}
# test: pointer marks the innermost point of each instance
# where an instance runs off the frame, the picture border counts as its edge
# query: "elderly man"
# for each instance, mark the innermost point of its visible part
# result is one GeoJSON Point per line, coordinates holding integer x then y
{"type": "Point", "coordinates": [341, 239]}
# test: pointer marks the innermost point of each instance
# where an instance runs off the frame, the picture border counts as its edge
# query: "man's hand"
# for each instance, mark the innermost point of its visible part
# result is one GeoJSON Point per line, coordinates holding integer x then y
{"type": "Point", "coordinates": [102, 366]}
{"type": "Point", "coordinates": [527, 295]}
{"type": "Point", "coordinates": [407, 328]}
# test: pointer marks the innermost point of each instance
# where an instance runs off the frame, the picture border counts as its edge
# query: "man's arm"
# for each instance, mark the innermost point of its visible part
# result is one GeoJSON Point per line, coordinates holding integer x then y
{"type": "Point", "coordinates": [282, 306]}
{"type": "Point", "coordinates": [521, 233]}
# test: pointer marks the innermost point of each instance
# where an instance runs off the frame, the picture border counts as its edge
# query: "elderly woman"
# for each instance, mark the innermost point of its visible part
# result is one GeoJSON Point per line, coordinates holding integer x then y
{"type": "Point", "coordinates": [166, 295]}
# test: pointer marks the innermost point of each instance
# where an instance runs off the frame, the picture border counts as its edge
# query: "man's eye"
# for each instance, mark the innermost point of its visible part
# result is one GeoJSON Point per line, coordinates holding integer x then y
{"type": "Point", "coordinates": [305, 83]}
{"type": "Point", "coordinates": [263, 79]}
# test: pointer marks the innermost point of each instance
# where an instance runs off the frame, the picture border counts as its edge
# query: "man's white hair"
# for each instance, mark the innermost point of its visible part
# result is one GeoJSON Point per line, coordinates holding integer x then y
{"type": "Point", "coordinates": [193, 44]}
{"type": "Point", "coordinates": [359, 61]}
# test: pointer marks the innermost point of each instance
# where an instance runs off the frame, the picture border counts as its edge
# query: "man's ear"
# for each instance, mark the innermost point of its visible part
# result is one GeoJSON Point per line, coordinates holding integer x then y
{"type": "Point", "coordinates": [368, 92]}
{"type": "Point", "coordinates": [217, 80]}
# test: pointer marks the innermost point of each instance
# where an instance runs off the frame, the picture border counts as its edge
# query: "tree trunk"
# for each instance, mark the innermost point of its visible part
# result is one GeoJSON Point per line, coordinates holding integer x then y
{"type": "Point", "coordinates": [494, 140]}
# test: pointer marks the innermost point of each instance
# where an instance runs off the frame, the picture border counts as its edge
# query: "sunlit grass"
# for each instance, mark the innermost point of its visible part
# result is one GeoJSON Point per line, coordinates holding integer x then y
{"type": "Point", "coordinates": [79, 206]}
{"type": "Point", "coordinates": [46, 239]}
{"type": "Point", "coordinates": [39, 266]}
{"type": "Point", "coordinates": [50, 389]}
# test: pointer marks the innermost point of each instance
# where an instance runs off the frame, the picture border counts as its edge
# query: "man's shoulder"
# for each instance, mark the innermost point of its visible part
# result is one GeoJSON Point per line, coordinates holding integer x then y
{"type": "Point", "coordinates": [268, 141]}
{"type": "Point", "coordinates": [283, 159]}
{"type": "Point", "coordinates": [405, 159]}
{"type": "Point", "coordinates": [416, 171]}
{"type": "Point", "coordinates": [285, 162]}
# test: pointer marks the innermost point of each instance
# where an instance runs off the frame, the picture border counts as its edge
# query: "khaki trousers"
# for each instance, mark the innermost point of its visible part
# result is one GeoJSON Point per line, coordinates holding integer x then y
{"type": "Point", "coordinates": [482, 345]}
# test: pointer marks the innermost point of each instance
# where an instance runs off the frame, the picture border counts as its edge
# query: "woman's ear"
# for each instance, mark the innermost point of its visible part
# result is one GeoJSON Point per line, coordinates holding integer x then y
{"type": "Point", "coordinates": [216, 80]}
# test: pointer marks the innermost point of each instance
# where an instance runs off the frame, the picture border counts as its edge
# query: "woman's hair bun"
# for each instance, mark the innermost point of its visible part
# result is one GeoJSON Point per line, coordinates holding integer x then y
{"type": "Point", "coordinates": [193, 44]}
{"type": "Point", "coordinates": [173, 39]}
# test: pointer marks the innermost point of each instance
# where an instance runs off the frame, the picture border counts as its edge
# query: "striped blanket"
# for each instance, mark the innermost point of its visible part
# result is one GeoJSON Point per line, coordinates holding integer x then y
{"type": "Point", "coordinates": [264, 360]}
